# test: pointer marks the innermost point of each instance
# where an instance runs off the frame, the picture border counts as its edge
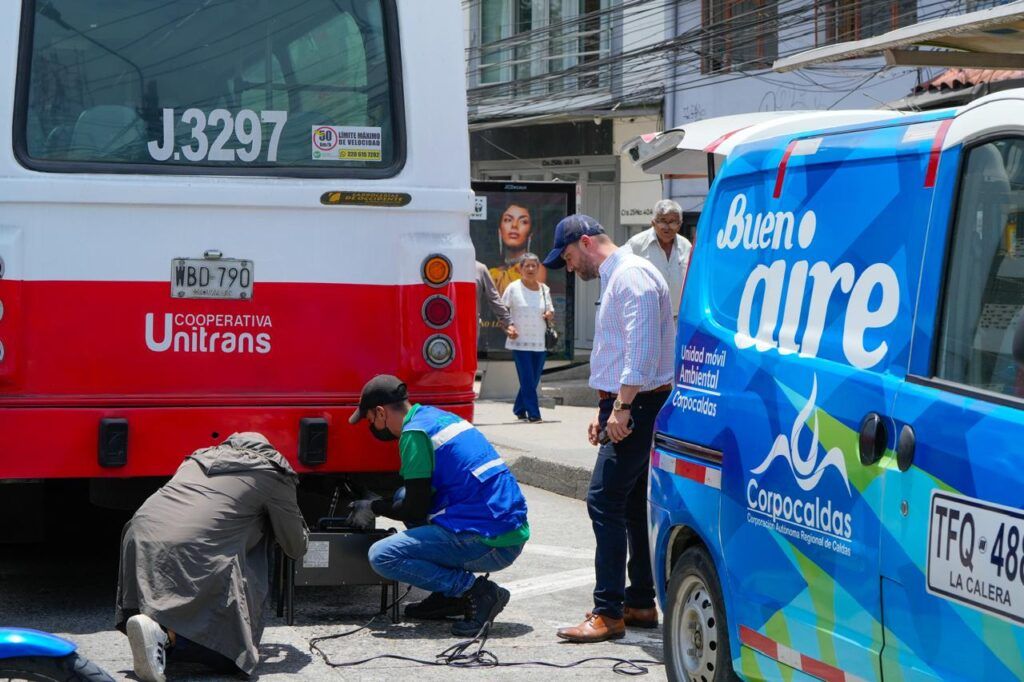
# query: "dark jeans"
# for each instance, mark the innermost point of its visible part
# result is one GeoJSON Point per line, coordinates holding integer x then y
{"type": "Point", "coordinates": [187, 651]}
{"type": "Point", "coordinates": [529, 364]}
{"type": "Point", "coordinates": [617, 503]}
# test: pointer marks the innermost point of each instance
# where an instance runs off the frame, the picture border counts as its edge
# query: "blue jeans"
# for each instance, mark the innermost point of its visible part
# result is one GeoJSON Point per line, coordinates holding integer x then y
{"type": "Point", "coordinates": [617, 503]}
{"type": "Point", "coordinates": [433, 558]}
{"type": "Point", "coordinates": [529, 364]}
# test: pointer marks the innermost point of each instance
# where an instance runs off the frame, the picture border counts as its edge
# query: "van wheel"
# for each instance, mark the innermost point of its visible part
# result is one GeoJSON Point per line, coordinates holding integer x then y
{"type": "Point", "coordinates": [696, 637]}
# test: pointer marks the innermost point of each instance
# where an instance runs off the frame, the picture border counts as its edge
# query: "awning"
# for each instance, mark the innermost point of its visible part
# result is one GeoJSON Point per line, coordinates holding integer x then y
{"type": "Point", "coordinates": [989, 38]}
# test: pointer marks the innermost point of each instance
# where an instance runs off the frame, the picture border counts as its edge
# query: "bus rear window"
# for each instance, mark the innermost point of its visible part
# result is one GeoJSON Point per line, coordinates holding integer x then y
{"type": "Point", "coordinates": [303, 87]}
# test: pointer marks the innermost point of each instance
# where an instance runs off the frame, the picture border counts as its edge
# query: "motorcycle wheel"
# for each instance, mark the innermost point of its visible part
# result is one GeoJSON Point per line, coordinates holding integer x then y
{"type": "Point", "coordinates": [71, 668]}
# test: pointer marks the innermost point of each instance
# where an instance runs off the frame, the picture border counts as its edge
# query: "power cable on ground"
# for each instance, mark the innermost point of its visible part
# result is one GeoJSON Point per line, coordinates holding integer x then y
{"type": "Point", "coordinates": [470, 653]}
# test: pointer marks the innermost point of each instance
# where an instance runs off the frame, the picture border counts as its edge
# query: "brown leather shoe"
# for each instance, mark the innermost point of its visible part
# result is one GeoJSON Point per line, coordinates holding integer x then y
{"type": "Point", "coordinates": [637, 618]}
{"type": "Point", "coordinates": [640, 618]}
{"type": "Point", "coordinates": [595, 629]}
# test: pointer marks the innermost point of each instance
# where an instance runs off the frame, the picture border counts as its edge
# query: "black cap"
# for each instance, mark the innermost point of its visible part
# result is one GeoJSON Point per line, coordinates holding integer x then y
{"type": "Point", "coordinates": [570, 230]}
{"type": "Point", "coordinates": [383, 389]}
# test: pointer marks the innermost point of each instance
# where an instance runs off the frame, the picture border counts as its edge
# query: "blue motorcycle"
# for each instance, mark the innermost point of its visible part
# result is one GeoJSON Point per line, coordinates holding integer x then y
{"type": "Point", "coordinates": [33, 655]}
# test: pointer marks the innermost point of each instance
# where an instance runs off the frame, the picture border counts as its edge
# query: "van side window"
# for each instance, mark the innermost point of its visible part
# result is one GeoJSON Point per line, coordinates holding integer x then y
{"type": "Point", "coordinates": [194, 84]}
{"type": "Point", "coordinates": [984, 301]}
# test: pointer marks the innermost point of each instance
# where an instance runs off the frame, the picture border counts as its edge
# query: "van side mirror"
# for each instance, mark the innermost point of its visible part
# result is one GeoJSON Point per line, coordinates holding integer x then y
{"type": "Point", "coordinates": [1018, 342]}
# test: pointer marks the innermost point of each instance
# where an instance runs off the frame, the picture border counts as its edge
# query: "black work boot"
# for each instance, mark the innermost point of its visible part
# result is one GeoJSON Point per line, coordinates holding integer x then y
{"type": "Point", "coordinates": [436, 607]}
{"type": "Point", "coordinates": [486, 600]}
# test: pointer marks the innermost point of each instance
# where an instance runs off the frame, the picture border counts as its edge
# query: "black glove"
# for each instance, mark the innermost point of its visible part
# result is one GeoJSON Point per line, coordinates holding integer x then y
{"type": "Point", "coordinates": [361, 515]}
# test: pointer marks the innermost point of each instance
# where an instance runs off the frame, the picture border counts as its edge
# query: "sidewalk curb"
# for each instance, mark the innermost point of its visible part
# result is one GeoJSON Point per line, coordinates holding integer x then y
{"type": "Point", "coordinates": [554, 477]}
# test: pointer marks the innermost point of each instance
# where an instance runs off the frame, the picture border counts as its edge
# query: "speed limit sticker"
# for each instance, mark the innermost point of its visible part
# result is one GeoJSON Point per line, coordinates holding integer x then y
{"type": "Point", "coordinates": [346, 143]}
{"type": "Point", "coordinates": [976, 554]}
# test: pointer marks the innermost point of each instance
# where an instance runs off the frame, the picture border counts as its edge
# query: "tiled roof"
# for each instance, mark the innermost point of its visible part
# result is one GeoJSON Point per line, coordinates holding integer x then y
{"type": "Point", "coordinates": [955, 79]}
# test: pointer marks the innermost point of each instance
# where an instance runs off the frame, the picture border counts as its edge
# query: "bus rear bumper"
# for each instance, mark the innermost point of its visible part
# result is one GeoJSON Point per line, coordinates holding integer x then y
{"type": "Point", "coordinates": [55, 442]}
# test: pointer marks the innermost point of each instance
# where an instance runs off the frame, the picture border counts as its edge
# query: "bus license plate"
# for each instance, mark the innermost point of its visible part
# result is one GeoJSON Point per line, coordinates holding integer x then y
{"type": "Point", "coordinates": [976, 554]}
{"type": "Point", "coordinates": [206, 278]}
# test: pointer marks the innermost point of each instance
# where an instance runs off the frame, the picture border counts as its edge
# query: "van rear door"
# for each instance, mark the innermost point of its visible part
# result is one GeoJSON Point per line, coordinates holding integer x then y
{"type": "Point", "coordinates": [823, 315]}
{"type": "Point", "coordinates": [952, 552]}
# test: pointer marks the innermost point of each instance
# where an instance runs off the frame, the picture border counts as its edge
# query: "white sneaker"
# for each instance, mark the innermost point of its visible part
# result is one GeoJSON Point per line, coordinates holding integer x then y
{"type": "Point", "coordinates": [148, 642]}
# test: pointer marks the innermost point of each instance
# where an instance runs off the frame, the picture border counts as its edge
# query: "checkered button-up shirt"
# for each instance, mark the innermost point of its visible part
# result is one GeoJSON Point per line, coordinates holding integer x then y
{"type": "Point", "coordinates": [633, 337]}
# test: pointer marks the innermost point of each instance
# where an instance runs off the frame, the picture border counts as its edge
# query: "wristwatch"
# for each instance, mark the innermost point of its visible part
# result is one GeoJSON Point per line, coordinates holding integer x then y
{"type": "Point", "coordinates": [619, 405]}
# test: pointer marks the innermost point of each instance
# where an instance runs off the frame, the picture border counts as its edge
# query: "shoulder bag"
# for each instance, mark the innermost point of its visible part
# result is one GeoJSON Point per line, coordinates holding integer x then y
{"type": "Point", "coordinates": [550, 333]}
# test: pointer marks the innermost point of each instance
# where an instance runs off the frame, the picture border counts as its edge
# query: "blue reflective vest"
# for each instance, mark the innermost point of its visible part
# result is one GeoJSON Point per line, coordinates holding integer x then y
{"type": "Point", "coordinates": [474, 490]}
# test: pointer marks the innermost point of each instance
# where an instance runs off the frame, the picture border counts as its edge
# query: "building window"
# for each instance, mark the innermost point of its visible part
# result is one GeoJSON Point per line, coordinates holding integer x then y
{"type": "Point", "coordinates": [525, 40]}
{"type": "Point", "coordinates": [495, 28]}
{"type": "Point", "coordinates": [211, 94]}
{"type": "Point", "coordinates": [838, 21]}
{"type": "Point", "coordinates": [738, 35]}
{"type": "Point", "coordinates": [591, 41]}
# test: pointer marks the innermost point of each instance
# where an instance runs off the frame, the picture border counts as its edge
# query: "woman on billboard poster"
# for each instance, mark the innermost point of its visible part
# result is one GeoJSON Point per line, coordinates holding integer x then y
{"type": "Point", "coordinates": [514, 238]}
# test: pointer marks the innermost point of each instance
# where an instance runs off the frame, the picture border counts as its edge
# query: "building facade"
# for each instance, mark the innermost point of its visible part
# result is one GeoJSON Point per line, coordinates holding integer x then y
{"type": "Point", "coordinates": [556, 87]}
{"type": "Point", "coordinates": [725, 49]}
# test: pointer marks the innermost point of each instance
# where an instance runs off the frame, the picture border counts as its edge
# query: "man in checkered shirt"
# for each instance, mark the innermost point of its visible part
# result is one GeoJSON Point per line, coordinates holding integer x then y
{"type": "Point", "coordinates": [631, 368]}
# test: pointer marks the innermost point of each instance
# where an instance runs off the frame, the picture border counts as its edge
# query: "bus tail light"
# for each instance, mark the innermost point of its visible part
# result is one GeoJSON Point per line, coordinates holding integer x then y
{"type": "Point", "coordinates": [438, 311]}
{"type": "Point", "coordinates": [436, 270]}
{"type": "Point", "coordinates": [439, 351]}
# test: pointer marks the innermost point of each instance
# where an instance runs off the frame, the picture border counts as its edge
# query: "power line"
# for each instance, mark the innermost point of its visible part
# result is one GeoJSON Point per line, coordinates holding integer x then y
{"type": "Point", "coordinates": [702, 35]}
{"type": "Point", "coordinates": [540, 36]}
{"type": "Point", "coordinates": [541, 33]}
{"type": "Point", "coordinates": [792, 25]}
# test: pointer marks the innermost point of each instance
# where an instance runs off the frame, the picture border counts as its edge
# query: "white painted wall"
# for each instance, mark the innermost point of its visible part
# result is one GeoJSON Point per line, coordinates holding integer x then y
{"type": "Point", "coordinates": [638, 191]}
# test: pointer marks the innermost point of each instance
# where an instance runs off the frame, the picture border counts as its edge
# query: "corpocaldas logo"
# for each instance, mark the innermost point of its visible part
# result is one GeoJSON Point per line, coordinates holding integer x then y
{"type": "Point", "coordinates": [783, 492]}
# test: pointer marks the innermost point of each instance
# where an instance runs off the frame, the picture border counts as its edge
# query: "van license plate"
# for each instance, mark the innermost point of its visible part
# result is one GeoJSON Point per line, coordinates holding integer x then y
{"type": "Point", "coordinates": [976, 554]}
{"type": "Point", "coordinates": [207, 278]}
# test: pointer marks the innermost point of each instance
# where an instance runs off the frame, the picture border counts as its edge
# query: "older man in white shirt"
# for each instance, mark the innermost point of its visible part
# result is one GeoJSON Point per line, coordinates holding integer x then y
{"type": "Point", "coordinates": [665, 248]}
{"type": "Point", "coordinates": [631, 369]}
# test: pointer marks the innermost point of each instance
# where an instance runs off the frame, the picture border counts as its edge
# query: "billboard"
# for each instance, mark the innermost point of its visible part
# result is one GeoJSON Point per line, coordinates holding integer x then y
{"type": "Point", "coordinates": [509, 220]}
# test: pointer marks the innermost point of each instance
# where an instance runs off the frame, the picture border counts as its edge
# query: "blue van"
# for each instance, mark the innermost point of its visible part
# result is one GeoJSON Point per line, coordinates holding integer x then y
{"type": "Point", "coordinates": [836, 481]}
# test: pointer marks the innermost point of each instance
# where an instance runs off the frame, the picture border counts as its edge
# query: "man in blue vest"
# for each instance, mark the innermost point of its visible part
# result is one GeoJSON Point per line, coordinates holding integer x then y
{"type": "Point", "coordinates": [472, 511]}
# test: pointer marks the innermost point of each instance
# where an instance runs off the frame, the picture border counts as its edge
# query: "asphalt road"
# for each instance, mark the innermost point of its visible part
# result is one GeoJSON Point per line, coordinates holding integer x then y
{"type": "Point", "coordinates": [67, 587]}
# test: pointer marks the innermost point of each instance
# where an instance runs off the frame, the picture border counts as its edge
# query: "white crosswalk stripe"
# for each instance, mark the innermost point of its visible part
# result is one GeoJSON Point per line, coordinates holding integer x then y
{"type": "Point", "coordinates": [549, 583]}
{"type": "Point", "coordinates": [556, 551]}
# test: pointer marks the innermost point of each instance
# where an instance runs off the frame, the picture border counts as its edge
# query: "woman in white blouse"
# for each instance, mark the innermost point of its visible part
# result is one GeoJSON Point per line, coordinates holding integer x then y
{"type": "Point", "coordinates": [529, 303]}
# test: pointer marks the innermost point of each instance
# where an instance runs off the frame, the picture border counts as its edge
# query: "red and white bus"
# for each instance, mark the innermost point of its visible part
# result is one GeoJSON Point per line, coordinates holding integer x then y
{"type": "Point", "coordinates": [226, 215]}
